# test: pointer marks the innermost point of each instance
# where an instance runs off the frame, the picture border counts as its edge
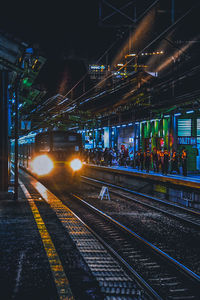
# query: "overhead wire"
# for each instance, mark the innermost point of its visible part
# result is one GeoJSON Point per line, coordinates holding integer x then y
{"type": "Point", "coordinates": [107, 77]}
{"type": "Point", "coordinates": [147, 46]}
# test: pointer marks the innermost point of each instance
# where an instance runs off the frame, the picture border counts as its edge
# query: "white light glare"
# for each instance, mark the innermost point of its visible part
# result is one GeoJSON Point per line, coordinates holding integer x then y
{"type": "Point", "coordinates": [76, 164]}
{"type": "Point", "coordinates": [42, 165]}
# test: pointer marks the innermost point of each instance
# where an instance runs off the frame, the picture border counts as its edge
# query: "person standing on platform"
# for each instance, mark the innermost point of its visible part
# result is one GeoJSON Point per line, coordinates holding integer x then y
{"type": "Point", "coordinates": [161, 156]}
{"type": "Point", "coordinates": [137, 160]}
{"type": "Point", "coordinates": [184, 161]}
{"type": "Point", "coordinates": [110, 156]}
{"type": "Point", "coordinates": [155, 160]}
{"type": "Point", "coordinates": [166, 161]}
{"type": "Point", "coordinates": [175, 162]}
{"type": "Point", "coordinates": [147, 160]}
{"type": "Point", "coordinates": [141, 160]}
{"type": "Point", "coordinates": [105, 156]}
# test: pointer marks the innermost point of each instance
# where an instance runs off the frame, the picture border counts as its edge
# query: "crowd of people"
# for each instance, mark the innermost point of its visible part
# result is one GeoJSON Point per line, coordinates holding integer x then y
{"type": "Point", "coordinates": [160, 161]}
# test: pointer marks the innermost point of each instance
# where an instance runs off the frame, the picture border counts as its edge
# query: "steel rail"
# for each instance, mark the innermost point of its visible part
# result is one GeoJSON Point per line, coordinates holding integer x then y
{"type": "Point", "coordinates": [144, 241]}
{"type": "Point", "coordinates": [144, 195]}
{"type": "Point", "coordinates": [175, 216]}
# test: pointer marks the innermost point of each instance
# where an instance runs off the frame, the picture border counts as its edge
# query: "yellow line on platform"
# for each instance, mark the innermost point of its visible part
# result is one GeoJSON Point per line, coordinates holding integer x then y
{"type": "Point", "coordinates": [60, 279]}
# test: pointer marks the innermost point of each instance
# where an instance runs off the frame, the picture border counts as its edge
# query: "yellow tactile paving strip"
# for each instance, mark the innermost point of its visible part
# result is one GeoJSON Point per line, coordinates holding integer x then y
{"type": "Point", "coordinates": [60, 279]}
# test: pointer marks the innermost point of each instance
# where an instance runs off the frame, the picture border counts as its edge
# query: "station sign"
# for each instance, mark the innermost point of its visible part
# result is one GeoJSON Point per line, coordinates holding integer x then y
{"type": "Point", "coordinates": [25, 125]}
{"type": "Point", "coordinates": [187, 140]}
{"type": "Point", "coordinates": [97, 67]}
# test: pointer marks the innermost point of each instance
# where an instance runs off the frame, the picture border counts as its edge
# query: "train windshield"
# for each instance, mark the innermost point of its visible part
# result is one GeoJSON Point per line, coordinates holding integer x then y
{"type": "Point", "coordinates": [43, 143]}
{"type": "Point", "coordinates": [63, 141]}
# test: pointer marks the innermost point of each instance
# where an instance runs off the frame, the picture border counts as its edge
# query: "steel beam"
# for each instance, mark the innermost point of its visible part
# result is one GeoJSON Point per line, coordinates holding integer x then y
{"type": "Point", "coordinates": [3, 131]}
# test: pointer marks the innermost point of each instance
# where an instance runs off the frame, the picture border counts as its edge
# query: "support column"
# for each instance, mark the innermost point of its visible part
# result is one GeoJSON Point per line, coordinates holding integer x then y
{"type": "Point", "coordinates": [16, 143]}
{"type": "Point", "coordinates": [3, 131]}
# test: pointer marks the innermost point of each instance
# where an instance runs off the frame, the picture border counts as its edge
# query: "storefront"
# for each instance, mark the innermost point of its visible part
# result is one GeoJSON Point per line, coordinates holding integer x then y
{"type": "Point", "coordinates": [188, 133]}
{"type": "Point", "coordinates": [155, 134]}
{"type": "Point", "coordinates": [173, 132]}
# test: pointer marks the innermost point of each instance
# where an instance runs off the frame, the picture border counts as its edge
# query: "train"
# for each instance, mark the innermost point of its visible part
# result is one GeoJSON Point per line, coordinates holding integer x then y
{"type": "Point", "coordinates": [54, 155]}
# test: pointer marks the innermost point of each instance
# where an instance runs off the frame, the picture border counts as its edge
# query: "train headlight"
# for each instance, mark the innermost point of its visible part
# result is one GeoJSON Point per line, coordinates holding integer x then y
{"type": "Point", "coordinates": [42, 165]}
{"type": "Point", "coordinates": [76, 164]}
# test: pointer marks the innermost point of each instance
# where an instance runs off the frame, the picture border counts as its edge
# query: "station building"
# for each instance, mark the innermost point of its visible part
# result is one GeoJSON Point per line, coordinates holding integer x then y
{"type": "Point", "coordinates": [173, 131]}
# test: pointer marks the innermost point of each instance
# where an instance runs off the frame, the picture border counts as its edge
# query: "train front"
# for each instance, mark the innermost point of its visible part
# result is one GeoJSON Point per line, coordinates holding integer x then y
{"type": "Point", "coordinates": [58, 157]}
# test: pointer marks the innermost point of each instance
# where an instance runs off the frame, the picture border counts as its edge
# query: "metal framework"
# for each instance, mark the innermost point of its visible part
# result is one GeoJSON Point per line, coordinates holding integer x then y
{"type": "Point", "coordinates": [112, 15]}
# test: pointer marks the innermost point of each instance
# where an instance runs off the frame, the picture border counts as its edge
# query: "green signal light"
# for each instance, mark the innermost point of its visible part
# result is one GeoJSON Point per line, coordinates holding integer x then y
{"type": "Point", "coordinates": [26, 82]}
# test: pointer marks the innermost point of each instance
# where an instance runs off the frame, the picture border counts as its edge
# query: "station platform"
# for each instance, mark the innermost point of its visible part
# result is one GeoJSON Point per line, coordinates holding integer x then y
{"type": "Point", "coordinates": [23, 258]}
{"type": "Point", "coordinates": [184, 191]}
{"type": "Point", "coordinates": [192, 181]}
{"type": "Point", "coordinates": [38, 259]}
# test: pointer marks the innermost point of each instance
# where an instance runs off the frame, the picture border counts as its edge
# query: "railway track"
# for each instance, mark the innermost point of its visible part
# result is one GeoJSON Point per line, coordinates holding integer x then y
{"type": "Point", "coordinates": [113, 280]}
{"type": "Point", "coordinates": [161, 275]}
{"type": "Point", "coordinates": [183, 214]}
{"type": "Point", "coordinates": [166, 276]}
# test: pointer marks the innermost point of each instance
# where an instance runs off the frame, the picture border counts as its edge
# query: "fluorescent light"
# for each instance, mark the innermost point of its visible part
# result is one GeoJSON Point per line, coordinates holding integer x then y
{"type": "Point", "coordinates": [189, 111]}
{"type": "Point", "coordinates": [123, 125]}
{"type": "Point", "coordinates": [176, 115]}
{"type": "Point", "coordinates": [166, 116]}
{"type": "Point", "coordinates": [118, 126]}
{"type": "Point", "coordinates": [130, 124]}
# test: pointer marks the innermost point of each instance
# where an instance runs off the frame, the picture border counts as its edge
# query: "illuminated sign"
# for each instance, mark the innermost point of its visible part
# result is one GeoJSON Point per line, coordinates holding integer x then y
{"type": "Point", "coordinates": [25, 125]}
{"type": "Point", "coordinates": [184, 127]}
{"type": "Point", "coordinates": [97, 67]}
{"type": "Point", "coordinates": [187, 140]}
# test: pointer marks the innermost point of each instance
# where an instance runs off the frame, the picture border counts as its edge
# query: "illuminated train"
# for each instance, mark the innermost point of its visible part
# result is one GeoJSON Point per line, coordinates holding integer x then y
{"type": "Point", "coordinates": [51, 155]}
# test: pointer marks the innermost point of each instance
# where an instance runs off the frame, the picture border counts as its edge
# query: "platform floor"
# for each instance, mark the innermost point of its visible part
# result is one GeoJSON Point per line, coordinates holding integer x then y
{"type": "Point", "coordinates": [23, 259]}
{"type": "Point", "coordinates": [38, 259]}
{"type": "Point", "coordinates": [190, 177]}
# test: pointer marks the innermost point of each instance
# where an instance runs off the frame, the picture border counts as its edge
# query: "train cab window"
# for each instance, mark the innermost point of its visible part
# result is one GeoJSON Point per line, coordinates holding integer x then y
{"type": "Point", "coordinates": [62, 141]}
{"type": "Point", "coordinates": [43, 143]}
{"type": "Point", "coordinates": [72, 138]}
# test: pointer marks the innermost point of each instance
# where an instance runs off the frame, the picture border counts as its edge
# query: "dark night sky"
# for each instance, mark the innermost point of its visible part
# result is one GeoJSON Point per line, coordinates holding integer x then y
{"type": "Point", "coordinates": [69, 26]}
{"type": "Point", "coordinates": [61, 26]}
{"type": "Point", "coordinates": [62, 29]}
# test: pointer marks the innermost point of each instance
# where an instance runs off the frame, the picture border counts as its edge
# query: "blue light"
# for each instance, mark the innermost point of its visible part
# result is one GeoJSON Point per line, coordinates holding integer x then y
{"type": "Point", "coordinates": [124, 125]}
{"type": "Point", "coordinates": [29, 50]}
{"type": "Point", "coordinates": [178, 114]}
{"type": "Point", "coordinates": [167, 116]}
{"type": "Point", "coordinates": [189, 111]}
{"type": "Point", "coordinates": [136, 123]}
{"type": "Point", "coordinates": [130, 124]}
{"type": "Point", "coordinates": [118, 126]}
